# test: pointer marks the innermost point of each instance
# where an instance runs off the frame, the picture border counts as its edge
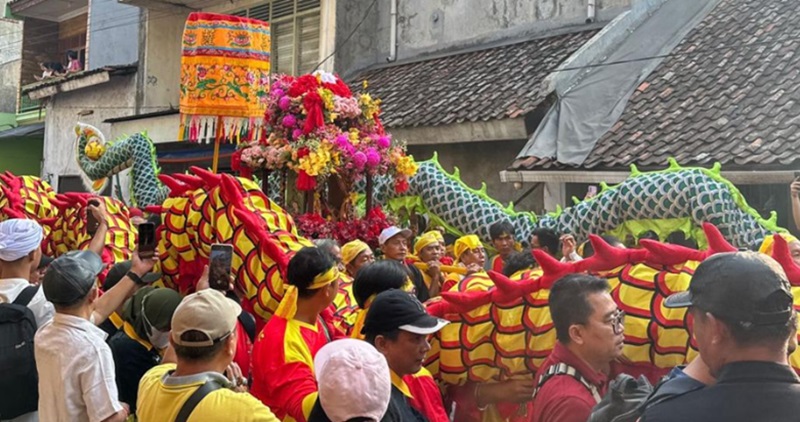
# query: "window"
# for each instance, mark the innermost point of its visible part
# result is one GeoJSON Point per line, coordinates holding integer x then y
{"type": "Point", "coordinates": [295, 27]}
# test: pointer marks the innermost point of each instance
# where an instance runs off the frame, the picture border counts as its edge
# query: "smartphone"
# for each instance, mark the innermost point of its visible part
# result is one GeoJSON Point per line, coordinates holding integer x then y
{"type": "Point", "coordinates": [219, 266]}
{"type": "Point", "coordinates": [591, 191]}
{"type": "Point", "coordinates": [797, 175]}
{"type": "Point", "coordinates": [147, 240]}
{"type": "Point", "coordinates": [91, 222]}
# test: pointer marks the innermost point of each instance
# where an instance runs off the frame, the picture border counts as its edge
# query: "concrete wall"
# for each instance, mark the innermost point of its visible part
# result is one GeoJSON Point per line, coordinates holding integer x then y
{"type": "Point", "coordinates": [481, 162]}
{"type": "Point", "coordinates": [162, 60]}
{"type": "Point", "coordinates": [10, 61]}
{"type": "Point", "coordinates": [113, 37]}
{"type": "Point", "coordinates": [427, 26]}
{"type": "Point", "coordinates": [115, 98]}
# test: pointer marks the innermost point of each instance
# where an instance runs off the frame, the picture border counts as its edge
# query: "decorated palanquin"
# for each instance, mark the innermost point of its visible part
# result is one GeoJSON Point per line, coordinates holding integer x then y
{"type": "Point", "coordinates": [225, 66]}
{"type": "Point", "coordinates": [501, 329]}
{"type": "Point", "coordinates": [207, 208]}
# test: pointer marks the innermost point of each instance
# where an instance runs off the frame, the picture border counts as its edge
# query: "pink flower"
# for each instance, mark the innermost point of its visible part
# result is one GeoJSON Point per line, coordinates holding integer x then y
{"type": "Point", "coordinates": [359, 159]}
{"type": "Point", "coordinates": [342, 141]}
{"type": "Point", "coordinates": [277, 93]}
{"type": "Point", "coordinates": [289, 121]}
{"type": "Point", "coordinates": [284, 103]}
{"type": "Point", "coordinates": [297, 133]}
{"type": "Point", "coordinates": [384, 142]}
{"type": "Point", "coordinates": [373, 158]}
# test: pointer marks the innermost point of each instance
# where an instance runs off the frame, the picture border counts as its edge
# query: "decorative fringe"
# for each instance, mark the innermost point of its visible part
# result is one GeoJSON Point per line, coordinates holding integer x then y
{"type": "Point", "coordinates": [205, 130]}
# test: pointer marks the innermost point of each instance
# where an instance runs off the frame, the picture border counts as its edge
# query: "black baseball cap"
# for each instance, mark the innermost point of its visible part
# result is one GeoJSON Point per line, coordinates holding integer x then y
{"type": "Point", "coordinates": [746, 287]}
{"type": "Point", "coordinates": [120, 269]}
{"type": "Point", "coordinates": [396, 309]}
{"type": "Point", "coordinates": [71, 276]}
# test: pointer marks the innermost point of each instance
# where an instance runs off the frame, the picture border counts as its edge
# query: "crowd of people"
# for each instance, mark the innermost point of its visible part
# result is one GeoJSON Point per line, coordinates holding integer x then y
{"type": "Point", "coordinates": [139, 352]}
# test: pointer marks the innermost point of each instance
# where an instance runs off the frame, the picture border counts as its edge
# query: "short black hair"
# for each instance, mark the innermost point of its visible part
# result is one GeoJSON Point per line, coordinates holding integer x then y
{"type": "Point", "coordinates": [306, 264]}
{"type": "Point", "coordinates": [588, 249]}
{"type": "Point", "coordinates": [649, 234]}
{"type": "Point", "coordinates": [72, 54]}
{"type": "Point", "coordinates": [198, 354]}
{"type": "Point", "coordinates": [679, 238]}
{"type": "Point", "coordinates": [391, 334]}
{"type": "Point", "coordinates": [569, 304]}
{"type": "Point", "coordinates": [378, 277]}
{"type": "Point", "coordinates": [548, 238]}
{"type": "Point", "coordinates": [500, 228]}
{"type": "Point", "coordinates": [449, 238]}
{"type": "Point", "coordinates": [518, 261]}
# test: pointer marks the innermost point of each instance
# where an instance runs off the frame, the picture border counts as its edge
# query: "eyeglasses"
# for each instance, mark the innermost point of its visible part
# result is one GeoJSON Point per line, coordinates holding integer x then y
{"type": "Point", "coordinates": [618, 322]}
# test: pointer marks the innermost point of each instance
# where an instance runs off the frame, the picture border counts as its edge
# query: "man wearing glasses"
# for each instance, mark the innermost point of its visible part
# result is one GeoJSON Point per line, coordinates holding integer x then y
{"type": "Point", "coordinates": [589, 330]}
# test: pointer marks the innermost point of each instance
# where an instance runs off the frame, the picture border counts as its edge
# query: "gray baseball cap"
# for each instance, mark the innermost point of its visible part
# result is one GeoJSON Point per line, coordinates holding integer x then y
{"type": "Point", "coordinates": [71, 276]}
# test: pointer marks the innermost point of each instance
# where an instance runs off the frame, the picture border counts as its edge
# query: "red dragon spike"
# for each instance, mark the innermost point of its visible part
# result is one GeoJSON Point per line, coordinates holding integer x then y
{"type": "Point", "coordinates": [212, 180]}
{"type": "Point", "coordinates": [716, 241]}
{"type": "Point", "coordinates": [666, 254]}
{"type": "Point", "coordinates": [176, 188]}
{"type": "Point", "coordinates": [231, 191]}
{"type": "Point", "coordinates": [782, 254]}
{"type": "Point", "coordinates": [193, 181]}
{"type": "Point", "coordinates": [464, 302]}
{"type": "Point", "coordinates": [154, 209]}
{"type": "Point", "coordinates": [267, 243]}
{"type": "Point", "coordinates": [507, 290]}
{"type": "Point", "coordinates": [552, 269]}
{"type": "Point", "coordinates": [607, 257]}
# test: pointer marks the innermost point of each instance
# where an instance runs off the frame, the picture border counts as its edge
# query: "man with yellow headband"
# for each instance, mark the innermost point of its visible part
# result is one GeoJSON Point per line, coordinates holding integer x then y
{"type": "Point", "coordinates": [470, 254]}
{"type": "Point", "coordinates": [283, 355]}
{"type": "Point", "coordinates": [426, 257]}
{"type": "Point", "coordinates": [355, 255]}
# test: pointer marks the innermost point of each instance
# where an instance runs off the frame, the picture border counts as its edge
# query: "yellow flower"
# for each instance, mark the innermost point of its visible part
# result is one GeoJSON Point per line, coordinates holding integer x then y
{"type": "Point", "coordinates": [327, 98]}
{"type": "Point", "coordinates": [353, 136]}
{"type": "Point", "coordinates": [406, 166]}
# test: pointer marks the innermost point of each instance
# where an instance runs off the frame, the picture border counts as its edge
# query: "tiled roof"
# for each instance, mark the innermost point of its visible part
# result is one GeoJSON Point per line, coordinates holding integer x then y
{"type": "Point", "coordinates": [112, 70]}
{"type": "Point", "coordinates": [494, 83]}
{"type": "Point", "coordinates": [729, 92]}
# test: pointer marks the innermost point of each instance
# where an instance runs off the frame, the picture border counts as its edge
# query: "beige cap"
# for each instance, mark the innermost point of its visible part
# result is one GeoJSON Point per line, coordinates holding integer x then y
{"type": "Point", "coordinates": [207, 311]}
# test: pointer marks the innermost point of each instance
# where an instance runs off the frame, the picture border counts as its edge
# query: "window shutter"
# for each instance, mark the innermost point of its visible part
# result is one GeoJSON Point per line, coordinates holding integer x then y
{"type": "Point", "coordinates": [283, 47]}
{"type": "Point", "coordinates": [308, 28]}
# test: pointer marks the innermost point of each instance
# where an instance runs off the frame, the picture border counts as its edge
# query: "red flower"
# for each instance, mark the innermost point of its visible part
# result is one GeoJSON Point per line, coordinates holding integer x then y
{"type": "Point", "coordinates": [236, 160]}
{"type": "Point", "coordinates": [401, 185]}
{"type": "Point", "coordinates": [303, 85]}
{"type": "Point", "coordinates": [339, 88]}
{"type": "Point", "coordinates": [446, 260]}
{"type": "Point", "coordinates": [303, 152]}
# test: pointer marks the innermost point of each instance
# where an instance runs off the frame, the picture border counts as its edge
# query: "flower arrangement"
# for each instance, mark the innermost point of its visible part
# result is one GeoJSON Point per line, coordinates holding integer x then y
{"type": "Point", "coordinates": [367, 229]}
{"type": "Point", "coordinates": [317, 127]}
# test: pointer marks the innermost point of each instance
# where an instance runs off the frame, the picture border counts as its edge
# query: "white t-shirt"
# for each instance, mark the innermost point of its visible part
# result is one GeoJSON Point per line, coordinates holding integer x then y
{"type": "Point", "coordinates": [76, 372]}
{"type": "Point", "coordinates": [42, 310]}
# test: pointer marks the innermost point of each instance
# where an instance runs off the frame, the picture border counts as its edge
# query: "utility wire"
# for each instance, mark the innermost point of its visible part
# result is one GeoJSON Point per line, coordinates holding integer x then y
{"type": "Point", "coordinates": [369, 9]}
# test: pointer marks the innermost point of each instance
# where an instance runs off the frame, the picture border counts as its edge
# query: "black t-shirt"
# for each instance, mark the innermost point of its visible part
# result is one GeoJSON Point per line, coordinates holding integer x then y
{"type": "Point", "coordinates": [399, 410]}
{"type": "Point", "coordinates": [131, 361]}
{"type": "Point", "coordinates": [745, 391]}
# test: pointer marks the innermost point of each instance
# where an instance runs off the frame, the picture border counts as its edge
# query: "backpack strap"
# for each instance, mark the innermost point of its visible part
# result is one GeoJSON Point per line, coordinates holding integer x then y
{"type": "Point", "coordinates": [564, 369]}
{"type": "Point", "coordinates": [24, 298]}
{"type": "Point", "coordinates": [325, 328]}
{"type": "Point", "coordinates": [195, 399]}
{"type": "Point", "coordinates": [249, 324]}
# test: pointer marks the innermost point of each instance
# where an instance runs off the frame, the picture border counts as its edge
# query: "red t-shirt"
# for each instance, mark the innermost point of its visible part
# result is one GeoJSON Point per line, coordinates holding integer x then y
{"type": "Point", "coordinates": [283, 358]}
{"type": "Point", "coordinates": [426, 396]}
{"type": "Point", "coordinates": [498, 264]}
{"type": "Point", "coordinates": [564, 398]}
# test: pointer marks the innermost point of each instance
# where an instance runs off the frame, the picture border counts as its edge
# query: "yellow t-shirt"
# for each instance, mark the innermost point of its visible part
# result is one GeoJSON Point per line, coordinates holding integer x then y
{"type": "Point", "coordinates": [161, 398]}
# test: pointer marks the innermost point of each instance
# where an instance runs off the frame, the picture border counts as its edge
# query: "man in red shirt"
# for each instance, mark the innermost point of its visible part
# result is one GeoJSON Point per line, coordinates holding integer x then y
{"type": "Point", "coordinates": [502, 234]}
{"type": "Point", "coordinates": [589, 330]}
{"type": "Point", "coordinates": [283, 356]}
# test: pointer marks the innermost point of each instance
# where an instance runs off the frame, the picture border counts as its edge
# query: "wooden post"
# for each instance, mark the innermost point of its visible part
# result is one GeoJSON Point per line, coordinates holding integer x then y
{"type": "Point", "coordinates": [217, 140]}
{"type": "Point", "coordinates": [369, 193]}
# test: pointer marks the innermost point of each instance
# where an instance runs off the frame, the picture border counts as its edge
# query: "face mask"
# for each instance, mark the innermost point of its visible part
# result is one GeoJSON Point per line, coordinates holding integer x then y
{"type": "Point", "coordinates": [159, 339]}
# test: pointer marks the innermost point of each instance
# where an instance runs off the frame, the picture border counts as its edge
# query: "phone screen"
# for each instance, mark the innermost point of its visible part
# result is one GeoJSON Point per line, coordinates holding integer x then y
{"type": "Point", "coordinates": [219, 266]}
{"type": "Point", "coordinates": [91, 222]}
{"type": "Point", "coordinates": [797, 175]}
{"type": "Point", "coordinates": [591, 191]}
{"type": "Point", "coordinates": [147, 240]}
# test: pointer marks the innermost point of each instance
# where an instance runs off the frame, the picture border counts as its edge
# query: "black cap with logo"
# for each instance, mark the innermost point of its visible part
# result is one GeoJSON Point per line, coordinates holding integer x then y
{"type": "Point", "coordinates": [745, 287]}
{"type": "Point", "coordinates": [396, 309]}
